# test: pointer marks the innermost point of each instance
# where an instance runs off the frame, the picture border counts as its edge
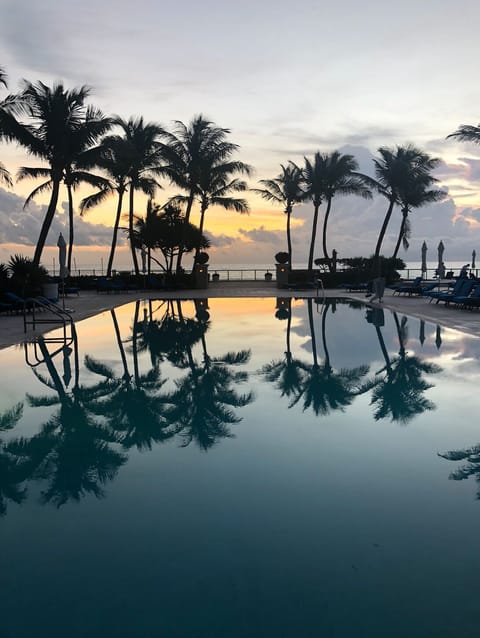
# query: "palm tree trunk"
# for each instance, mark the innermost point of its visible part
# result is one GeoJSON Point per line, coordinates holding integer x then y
{"type": "Point", "coordinates": [130, 232]}
{"type": "Point", "coordinates": [115, 232]}
{"type": "Point", "coordinates": [187, 219]}
{"type": "Point", "coordinates": [70, 226]}
{"type": "Point", "coordinates": [400, 235]}
{"type": "Point", "coordinates": [202, 219]}
{"type": "Point", "coordinates": [289, 240]}
{"type": "Point", "coordinates": [324, 234]}
{"type": "Point", "coordinates": [136, 371]}
{"type": "Point", "coordinates": [314, 235]}
{"type": "Point", "coordinates": [382, 233]}
{"type": "Point", "coordinates": [47, 222]}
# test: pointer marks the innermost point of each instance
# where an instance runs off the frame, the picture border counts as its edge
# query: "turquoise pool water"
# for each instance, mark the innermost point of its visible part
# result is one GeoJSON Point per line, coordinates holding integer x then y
{"type": "Point", "coordinates": [241, 468]}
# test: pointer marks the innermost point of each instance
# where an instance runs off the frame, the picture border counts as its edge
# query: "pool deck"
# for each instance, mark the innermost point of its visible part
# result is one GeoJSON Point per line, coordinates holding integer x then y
{"type": "Point", "coordinates": [92, 303]}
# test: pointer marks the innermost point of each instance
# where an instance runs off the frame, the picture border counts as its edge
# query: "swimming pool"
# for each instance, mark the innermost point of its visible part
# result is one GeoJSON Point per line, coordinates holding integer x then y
{"type": "Point", "coordinates": [238, 468]}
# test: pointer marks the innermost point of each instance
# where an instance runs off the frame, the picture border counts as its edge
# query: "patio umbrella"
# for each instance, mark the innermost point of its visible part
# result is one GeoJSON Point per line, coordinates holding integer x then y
{"type": "Point", "coordinates": [424, 258]}
{"type": "Point", "coordinates": [438, 337]}
{"type": "Point", "coordinates": [441, 249]}
{"type": "Point", "coordinates": [62, 260]}
{"type": "Point", "coordinates": [474, 254]}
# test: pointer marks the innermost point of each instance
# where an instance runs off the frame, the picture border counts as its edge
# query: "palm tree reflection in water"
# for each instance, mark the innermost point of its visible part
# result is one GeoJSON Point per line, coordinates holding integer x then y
{"type": "Point", "coordinates": [399, 392]}
{"type": "Point", "coordinates": [320, 386]}
{"type": "Point", "coordinates": [72, 452]}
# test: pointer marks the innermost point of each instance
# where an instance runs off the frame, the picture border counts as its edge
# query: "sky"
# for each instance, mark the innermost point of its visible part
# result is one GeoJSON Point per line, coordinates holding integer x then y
{"type": "Point", "coordinates": [288, 80]}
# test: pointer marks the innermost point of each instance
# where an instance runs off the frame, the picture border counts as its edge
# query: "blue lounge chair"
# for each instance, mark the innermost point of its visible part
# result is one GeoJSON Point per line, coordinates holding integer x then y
{"type": "Point", "coordinates": [463, 291]}
{"type": "Point", "coordinates": [472, 300]}
{"type": "Point", "coordinates": [455, 290]}
{"type": "Point", "coordinates": [410, 288]}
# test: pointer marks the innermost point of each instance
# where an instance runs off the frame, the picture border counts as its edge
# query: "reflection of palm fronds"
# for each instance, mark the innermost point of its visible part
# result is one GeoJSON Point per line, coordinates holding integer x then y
{"type": "Point", "coordinates": [471, 468]}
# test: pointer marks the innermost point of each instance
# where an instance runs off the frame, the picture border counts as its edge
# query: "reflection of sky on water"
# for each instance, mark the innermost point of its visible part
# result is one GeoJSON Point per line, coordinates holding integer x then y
{"type": "Point", "coordinates": [280, 513]}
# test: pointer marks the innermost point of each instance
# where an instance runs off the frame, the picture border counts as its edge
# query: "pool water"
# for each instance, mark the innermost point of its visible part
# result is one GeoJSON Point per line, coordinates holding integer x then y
{"type": "Point", "coordinates": [240, 468]}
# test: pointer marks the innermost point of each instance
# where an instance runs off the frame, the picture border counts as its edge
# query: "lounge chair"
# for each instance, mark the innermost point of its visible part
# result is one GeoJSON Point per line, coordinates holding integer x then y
{"type": "Point", "coordinates": [455, 290]}
{"type": "Point", "coordinates": [464, 290]}
{"type": "Point", "coordinates": [468, 301]}
{"type": "Point", "coordinates": [409, 288]}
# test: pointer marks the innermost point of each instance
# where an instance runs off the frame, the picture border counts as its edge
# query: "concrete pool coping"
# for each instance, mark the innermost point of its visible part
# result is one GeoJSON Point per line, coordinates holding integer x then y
{"type": "Point", "coordinates": [91, 303]}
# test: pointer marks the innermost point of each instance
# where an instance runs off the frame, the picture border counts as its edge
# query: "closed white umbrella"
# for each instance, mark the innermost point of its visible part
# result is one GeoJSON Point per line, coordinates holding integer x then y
{"type": "Point", "coordinates": [441, 249]}
{"type": "Point", "coordinates": [424, 258]}
{"type": "Point", "coordinates": [474, 255]}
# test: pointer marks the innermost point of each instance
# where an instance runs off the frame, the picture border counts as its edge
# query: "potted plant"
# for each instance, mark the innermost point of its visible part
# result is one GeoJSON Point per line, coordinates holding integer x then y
{"type": "Point", "coordinates": [268, 276]}
{"type": "Point", "coordinates": [28, 280]}
{"type": "Point", "coordinates": [215, 276]}
{"type": "Point", "coordinates": [282, 258]}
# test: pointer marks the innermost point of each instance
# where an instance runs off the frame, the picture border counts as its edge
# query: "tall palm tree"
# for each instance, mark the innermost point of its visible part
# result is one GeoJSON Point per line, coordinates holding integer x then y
{"type": "Point", "coordinates": [112, 156]}
{"type": "Point", "coordinates": [341, 178]}
{"type": "Point", "coordinates": [143, 148]}
{"type": "Point", "coordinates": [395, 169]}
{"type": "Point", "coordinates": [56, 117]}
{"type": "Point", "coordinates": [466, 133]}
{"type": "Point", "coordinates": [186, 150]}
{"type": "Point", "coordinates": [285, 189]}
{"type": "Point", "coordinates": [415, 195]}
{"type": "Point", "coordinates": [314, 189]}
{"type": "Point", "coordinates": [4, 174]}
{"type": "Point", "coordinates": [215, 185]}
{"type": "Point", "coordinates": [81, 139]}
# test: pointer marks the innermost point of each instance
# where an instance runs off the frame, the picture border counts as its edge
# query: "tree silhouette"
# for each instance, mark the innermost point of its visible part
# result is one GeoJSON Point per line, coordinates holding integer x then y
{"type": "Point", "coordinates": [285, 189]}
{"type": "Point", "coordinates": [60, 127]}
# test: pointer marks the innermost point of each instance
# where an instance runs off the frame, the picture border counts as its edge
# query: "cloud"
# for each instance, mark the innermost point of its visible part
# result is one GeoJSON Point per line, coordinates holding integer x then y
{"type": "Point", "coordinates": [262, 235]}
{"type": "Point", "coordinates": [22, 226]}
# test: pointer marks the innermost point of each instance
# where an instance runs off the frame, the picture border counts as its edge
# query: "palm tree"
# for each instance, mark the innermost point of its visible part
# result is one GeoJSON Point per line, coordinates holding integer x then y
{"type": "Point", "coordinates": [285, 189]}
{"type": "Point", "coordinates": [143, 148]}
{"type": "Point", "coordinates": [395, 170]}
{"type": "Point", "coordinates": [94, 125]}
{"type": "Point", "coordinates": [415, 195]}
{"type": "Point", "coordinates": [186, 150]}
{"type": "Point", "coordinates": [215, 183]}
{"type": "Point", "coordinates": [4, 174]}
{"type": "Point", "coordinates": [112, 156]}
{"type": "Point", "coordinates": [58, 118]}
{"type": "Point", "coordinates": [341, 178]}
{"type": "Point", "coordinates": [314, 188]}
{"type": "Point", "coordinates": [466, 133]}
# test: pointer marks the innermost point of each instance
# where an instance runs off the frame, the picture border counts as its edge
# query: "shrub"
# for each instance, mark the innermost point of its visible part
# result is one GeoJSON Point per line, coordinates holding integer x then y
{"type": "Point", "coordinates": [282, 258]}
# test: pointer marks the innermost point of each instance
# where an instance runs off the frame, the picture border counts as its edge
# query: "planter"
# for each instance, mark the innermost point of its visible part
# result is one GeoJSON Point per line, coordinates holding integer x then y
{"type": "Point", "coordinates": [268, 276]}
{"type": "Point", "coordinates": [215, 276]}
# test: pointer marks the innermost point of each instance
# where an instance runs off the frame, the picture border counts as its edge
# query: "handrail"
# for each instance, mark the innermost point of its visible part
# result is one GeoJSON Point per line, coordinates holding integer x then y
{"type": "Point", "coordinates": [60, 315]}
